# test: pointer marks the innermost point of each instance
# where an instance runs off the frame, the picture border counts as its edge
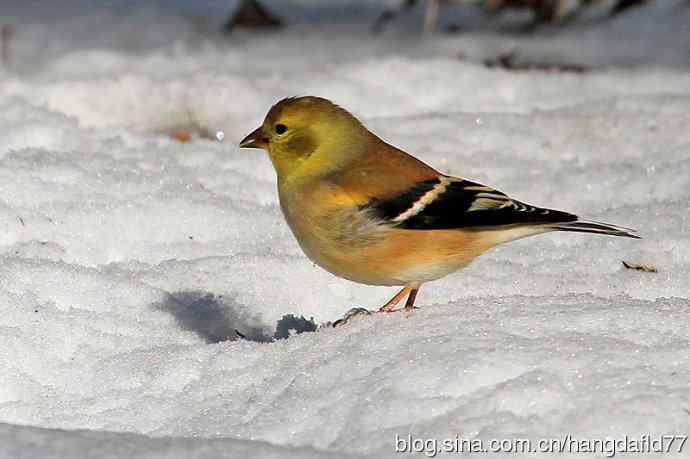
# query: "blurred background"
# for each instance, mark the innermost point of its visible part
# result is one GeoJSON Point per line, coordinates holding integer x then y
{"type": "Point", "coordinates": [520, 19]}
{"type": "Point", "coordinates": [263, 39]}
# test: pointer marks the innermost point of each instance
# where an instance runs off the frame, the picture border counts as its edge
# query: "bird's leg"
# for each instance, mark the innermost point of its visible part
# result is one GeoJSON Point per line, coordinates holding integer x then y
{"type": "Point", "coordinates": [393, 302]}
{"type": "Point", "coordinates": [409, 304]}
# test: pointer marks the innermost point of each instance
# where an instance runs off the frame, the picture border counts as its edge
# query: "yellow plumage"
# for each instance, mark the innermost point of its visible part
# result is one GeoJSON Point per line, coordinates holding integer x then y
{"type": "Point", "coordinates": [369, 212]}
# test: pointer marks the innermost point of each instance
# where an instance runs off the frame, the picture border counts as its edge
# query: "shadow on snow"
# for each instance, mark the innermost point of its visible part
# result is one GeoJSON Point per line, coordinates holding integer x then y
{"type": "Point", "coordinates": [216, 318]}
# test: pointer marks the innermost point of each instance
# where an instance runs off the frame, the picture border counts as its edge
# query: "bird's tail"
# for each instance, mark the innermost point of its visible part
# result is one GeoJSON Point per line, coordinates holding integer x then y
{"type": "Point", "coordinates": [588, 226]}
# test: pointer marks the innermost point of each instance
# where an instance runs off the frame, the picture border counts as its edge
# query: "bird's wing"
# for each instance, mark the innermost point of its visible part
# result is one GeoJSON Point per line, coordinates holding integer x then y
{"type": "Point", "coordinates": [448, 202]}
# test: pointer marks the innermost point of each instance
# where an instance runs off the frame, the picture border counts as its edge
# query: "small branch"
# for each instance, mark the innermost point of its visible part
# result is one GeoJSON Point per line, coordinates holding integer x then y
{"type": "Point", "coordinates": [6, 35]}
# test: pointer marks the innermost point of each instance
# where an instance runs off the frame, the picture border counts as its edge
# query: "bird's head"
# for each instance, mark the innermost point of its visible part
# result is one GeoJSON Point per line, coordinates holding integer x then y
{"type": "Point", "coordinates": [306, 136]}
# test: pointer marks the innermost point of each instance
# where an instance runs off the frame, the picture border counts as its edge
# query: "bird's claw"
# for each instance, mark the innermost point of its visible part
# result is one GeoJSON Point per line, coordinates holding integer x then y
{"type": "Point", "coordinates": [408, 310]}
{"type": "Point", "coordinates": [350, 315]}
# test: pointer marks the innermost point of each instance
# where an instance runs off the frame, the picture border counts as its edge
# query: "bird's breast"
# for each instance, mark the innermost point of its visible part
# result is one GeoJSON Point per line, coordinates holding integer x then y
{"type": "Point", "coordinates": [333, 234]}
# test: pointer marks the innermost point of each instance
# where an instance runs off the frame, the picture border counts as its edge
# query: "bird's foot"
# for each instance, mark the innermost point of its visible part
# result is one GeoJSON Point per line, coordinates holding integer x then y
{"type": "Point", "coordinates": [350, 315]}
{"type": "Point", "coordinates": [408, 310]}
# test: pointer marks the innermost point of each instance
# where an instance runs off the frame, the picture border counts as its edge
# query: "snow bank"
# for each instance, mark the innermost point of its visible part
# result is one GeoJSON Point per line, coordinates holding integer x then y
{"type": "Point", "coordinates": [130, 263]}
{"type": "Point", "coordinates": [46, 443]}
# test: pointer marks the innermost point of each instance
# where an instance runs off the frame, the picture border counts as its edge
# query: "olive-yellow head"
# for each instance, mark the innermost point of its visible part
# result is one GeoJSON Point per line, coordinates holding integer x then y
{"type": "Point", "coordinates": [308, 136]}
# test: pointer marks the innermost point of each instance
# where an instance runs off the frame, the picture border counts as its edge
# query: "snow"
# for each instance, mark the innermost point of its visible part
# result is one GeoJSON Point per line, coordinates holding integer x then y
{"type": "Point", "coordinates": [129, 262]}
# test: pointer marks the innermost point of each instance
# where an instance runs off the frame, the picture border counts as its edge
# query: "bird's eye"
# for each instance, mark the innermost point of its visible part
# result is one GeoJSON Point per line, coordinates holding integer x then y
{"type": "Point", "coordinates": [280, 128]}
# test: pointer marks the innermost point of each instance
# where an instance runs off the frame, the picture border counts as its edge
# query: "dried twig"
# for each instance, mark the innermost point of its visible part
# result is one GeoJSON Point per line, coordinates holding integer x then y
{"type": "Point", "coordinates": [6, 35]}
{"type": "Point", "coordinates": [510, 61]}
{"type": "Point", "coordinates": [639, 267]}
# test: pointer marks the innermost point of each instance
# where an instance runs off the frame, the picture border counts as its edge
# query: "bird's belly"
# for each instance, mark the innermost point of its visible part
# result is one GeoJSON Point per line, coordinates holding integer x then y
{"type": "Point", "coordinates": [389, 257]}
{"type": "Point", "coordinates": [347, 254]}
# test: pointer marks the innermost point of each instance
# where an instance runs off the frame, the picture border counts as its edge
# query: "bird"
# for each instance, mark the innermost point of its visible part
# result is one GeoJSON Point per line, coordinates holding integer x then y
{"type": "Point", "coordinates": [371, 213]}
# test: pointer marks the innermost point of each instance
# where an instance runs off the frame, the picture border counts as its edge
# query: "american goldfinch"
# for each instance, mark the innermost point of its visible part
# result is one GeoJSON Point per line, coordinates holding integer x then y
{"type": "Point", "coordinates": [371, 213]}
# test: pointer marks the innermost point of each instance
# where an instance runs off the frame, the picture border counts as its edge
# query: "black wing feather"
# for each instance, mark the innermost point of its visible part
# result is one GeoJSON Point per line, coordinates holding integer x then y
{"type": "Point", "coordinates": [389, 208]}
{"type": "Point", "coordinates": [460, 204]}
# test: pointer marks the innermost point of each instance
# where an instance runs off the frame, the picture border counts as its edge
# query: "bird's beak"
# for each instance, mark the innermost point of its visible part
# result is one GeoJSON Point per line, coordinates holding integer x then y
{"type": "Point", "coordinates": [255, 139]}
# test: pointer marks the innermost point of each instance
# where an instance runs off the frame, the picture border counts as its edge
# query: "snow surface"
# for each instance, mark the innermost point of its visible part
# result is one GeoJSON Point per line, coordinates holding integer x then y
{"type": "Point", "coordinates": [129, 260]}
